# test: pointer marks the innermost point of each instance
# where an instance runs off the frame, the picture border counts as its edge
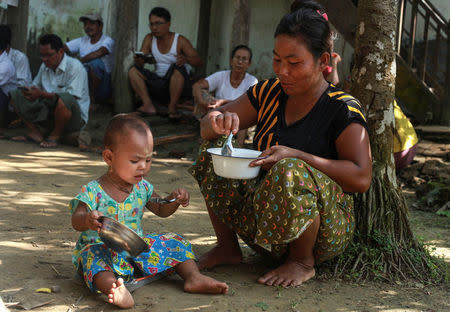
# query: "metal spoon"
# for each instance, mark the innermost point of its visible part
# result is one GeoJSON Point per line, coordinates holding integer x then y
{"type": "Point", "coordinates": [159, 200]}
{"type": "Point", "coordinates": [227, 149]}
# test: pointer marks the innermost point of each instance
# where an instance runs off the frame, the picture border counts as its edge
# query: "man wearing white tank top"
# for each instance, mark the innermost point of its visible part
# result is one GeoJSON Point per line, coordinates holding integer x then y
{"type": "Point", "coordinates": [172, 54]}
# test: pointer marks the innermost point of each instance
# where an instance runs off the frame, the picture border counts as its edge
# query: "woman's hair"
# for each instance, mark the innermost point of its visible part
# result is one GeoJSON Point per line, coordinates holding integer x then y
{"type": "Point", "coordinates": [120, 125]}
{"type": "Point", "coordinates": [53, 40]}
{"type": "Point", "coordinates": [160, 12]}
{"type": "Point", "coordinates": [306, 20]}
{"type": "Point", "coordinates": [244, 47]}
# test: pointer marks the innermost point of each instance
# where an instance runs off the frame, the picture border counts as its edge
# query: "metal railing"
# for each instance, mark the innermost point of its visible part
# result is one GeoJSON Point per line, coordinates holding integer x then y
{"type": "Point", "coordinates": [423, 43]}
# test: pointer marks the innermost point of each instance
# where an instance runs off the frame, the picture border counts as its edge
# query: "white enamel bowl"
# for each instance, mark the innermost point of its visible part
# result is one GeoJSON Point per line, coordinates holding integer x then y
{"type": "Point", "coordinates": [236, 165]}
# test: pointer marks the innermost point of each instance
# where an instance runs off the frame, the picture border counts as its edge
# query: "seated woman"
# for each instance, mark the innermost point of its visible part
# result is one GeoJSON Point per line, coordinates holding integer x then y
{"type": "Point", "coordinates": [300, 208]}
{"type": "Point", "coordinates": [405, 139]}
{"type": "Point", "coordinates": [227, 85]}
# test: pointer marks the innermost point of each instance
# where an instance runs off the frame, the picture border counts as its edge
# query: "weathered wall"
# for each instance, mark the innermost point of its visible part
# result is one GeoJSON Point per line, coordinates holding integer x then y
{"type": "Point", "coordinates": [265, 16]}
{"type": "Point", "coordinates": [262, 26]}
{"type": "Point", "coordinates": [263, 22]}
{"type": "Point", "coordinates": [59, 17]}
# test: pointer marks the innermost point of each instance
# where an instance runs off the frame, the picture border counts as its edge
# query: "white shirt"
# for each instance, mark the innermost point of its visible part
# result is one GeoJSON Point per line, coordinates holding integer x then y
{"type": "Point", "coordinates": [71, 77]}
{"type": "Point", "coordinates": [7, 74]}
{"type": "Point", "coordinates": [220, 83]}
{"type": "Point", "coordinates": [83, 46]}
{"type": "Point", "coordinates": [22, 66]}
{"type": "Point", "coordinates": [164, 61]}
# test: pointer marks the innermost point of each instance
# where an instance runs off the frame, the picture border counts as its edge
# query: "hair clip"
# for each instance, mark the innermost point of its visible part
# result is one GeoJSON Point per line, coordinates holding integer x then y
{"type": "Point", "coordinates": [324, 15]}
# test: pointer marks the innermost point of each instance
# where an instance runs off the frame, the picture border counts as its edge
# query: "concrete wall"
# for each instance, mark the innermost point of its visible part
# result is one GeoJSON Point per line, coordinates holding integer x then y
{"type": "Point", "coordinates": [262, 26]}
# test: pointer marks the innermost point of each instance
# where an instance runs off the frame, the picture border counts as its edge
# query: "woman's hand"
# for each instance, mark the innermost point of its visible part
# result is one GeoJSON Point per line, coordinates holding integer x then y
{"type": "Point", "coordinates": [224, 123]}
{"type": "Point", "coordinates": [214, 103]}
{"type": "Point", "coordinates": [91, 220]}
{"type": "Point", "coordinates": [272, 155]}
{"type": "Point", "coordinates": [181, 195]}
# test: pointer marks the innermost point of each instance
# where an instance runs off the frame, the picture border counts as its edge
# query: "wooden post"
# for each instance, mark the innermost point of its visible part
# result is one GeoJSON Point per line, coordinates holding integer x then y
{"type": "Point", "coordinates": [203, 36]}
{"type": "Point", "coordinates": [17, 19]}
{"type": "Point", "coordinates": [446, 100]}
{"type": "Point", "coordinates": [412, 33]}
{"type": "Point", "coordinates": [127, 13]}
{"type": "Point", "coordinates": [241, 23]}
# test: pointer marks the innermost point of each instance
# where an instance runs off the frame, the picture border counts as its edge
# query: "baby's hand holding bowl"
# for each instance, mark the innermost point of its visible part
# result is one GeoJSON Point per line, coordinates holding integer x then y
{"type": "Point", "coordinates": [92, 220]}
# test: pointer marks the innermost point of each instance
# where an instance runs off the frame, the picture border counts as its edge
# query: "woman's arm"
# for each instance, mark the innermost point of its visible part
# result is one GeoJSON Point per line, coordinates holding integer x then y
{"type": "Point", "coordinates": [352, 171]}
{"type": "Point", "coordinates": [198, 92]}
{"type": "Point", "coordinates": [231, 117]}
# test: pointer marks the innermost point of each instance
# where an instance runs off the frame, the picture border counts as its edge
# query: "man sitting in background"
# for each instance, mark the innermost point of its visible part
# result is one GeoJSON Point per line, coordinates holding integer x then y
{"type": "Point", "coordinates": [19, 59]}
{"type": "Point", "coordinates": [173, 54]}
{"type": "Point", "coordinates": [58, 99]}
{"type": "Point", "coordinates": [22, 69]}
{"type": "Point", "coordinates": [96, 52]}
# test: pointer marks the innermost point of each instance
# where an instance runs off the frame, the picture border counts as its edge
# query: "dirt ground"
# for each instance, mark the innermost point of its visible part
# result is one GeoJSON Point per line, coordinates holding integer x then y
{"type": "Point", "coordinates": [37, 239]}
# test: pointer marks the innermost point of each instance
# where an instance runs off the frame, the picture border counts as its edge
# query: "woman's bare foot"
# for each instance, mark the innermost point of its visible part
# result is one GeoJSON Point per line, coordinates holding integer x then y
{"type": "Point", "coordinates": [120, 296]}
{"type": "Point", "coordinates": [220, 255]}
{"type": "Point", "coordinates": [291, 273]}
{"type": "Point", "coordinates": [199, 283]}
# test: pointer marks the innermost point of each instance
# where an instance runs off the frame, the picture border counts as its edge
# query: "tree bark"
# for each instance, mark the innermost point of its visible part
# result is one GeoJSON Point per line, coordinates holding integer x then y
{"type": "Point", "coordinates": [127, 13]}
{"type": "Point", "coordinates": [373, 83]}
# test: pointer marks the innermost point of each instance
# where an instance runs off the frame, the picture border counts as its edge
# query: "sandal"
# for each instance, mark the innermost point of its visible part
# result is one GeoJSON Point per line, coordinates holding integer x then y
{"type": "Point", "coordinates": [26, 139]}
{"type": "Point", "coordinates": [175, 116]}
{"type": "Point", "coordinates": [49, 143]}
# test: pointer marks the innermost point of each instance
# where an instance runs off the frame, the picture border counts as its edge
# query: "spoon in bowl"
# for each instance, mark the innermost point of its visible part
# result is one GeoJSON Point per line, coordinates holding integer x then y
{"type": "Point", "coordinates": [227, 149]}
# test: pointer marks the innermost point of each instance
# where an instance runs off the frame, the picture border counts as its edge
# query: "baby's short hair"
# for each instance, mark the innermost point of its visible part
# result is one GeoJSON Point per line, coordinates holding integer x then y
{"type": "Point", "coordinates": [120, 125]}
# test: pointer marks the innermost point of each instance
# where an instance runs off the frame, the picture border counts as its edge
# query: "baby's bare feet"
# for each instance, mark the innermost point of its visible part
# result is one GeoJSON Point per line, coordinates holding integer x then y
{"type": "Point", "coordinates": [291, 273]}
{"type": "Point", "coordinates": [218, 256]}
{"type": "Point", "coordinates": [120, 296]}
{"type": "Point", "coordinates": [199, 283]}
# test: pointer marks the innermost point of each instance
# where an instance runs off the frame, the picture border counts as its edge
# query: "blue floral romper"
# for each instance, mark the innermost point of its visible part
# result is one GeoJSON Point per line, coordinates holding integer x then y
{"type": "Point", "coordinates": [91, 255]}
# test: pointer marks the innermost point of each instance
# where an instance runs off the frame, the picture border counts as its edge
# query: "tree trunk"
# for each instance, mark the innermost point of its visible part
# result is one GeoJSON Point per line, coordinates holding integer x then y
{"type": "Point", "coordinates": [203, 36]}
{"type": "Point", "coordinates": [126, 44]}
{"type": "Point", "coordinates": [373, 83]}
{"type": "Point", "coordinates": [384, 245]}
{"type": "Point", "coordinates": [241, 22]}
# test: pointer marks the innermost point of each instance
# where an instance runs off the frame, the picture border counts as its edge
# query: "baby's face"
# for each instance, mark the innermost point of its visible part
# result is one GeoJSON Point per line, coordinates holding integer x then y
{"type": "Point", "coordinates": [132, 156]}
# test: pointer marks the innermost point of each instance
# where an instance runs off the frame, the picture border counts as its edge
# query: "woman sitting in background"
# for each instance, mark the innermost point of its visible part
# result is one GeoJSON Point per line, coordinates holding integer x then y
{"type": "Point", "coordinates": [227, 85]}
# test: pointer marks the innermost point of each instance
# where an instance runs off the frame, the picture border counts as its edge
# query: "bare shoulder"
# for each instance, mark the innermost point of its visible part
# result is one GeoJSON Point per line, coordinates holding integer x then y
{"type": "Point", "coordinates": [183, 41]}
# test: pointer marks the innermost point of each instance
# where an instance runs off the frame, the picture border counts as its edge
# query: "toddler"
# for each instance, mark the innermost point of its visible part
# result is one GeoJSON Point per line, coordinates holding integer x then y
{"type": "Point", "coordinates": [122, 193]}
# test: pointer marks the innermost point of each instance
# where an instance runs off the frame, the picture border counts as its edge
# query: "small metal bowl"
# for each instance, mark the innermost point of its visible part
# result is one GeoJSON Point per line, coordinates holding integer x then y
{"type": "Point", "coordinates": [120, 238]}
